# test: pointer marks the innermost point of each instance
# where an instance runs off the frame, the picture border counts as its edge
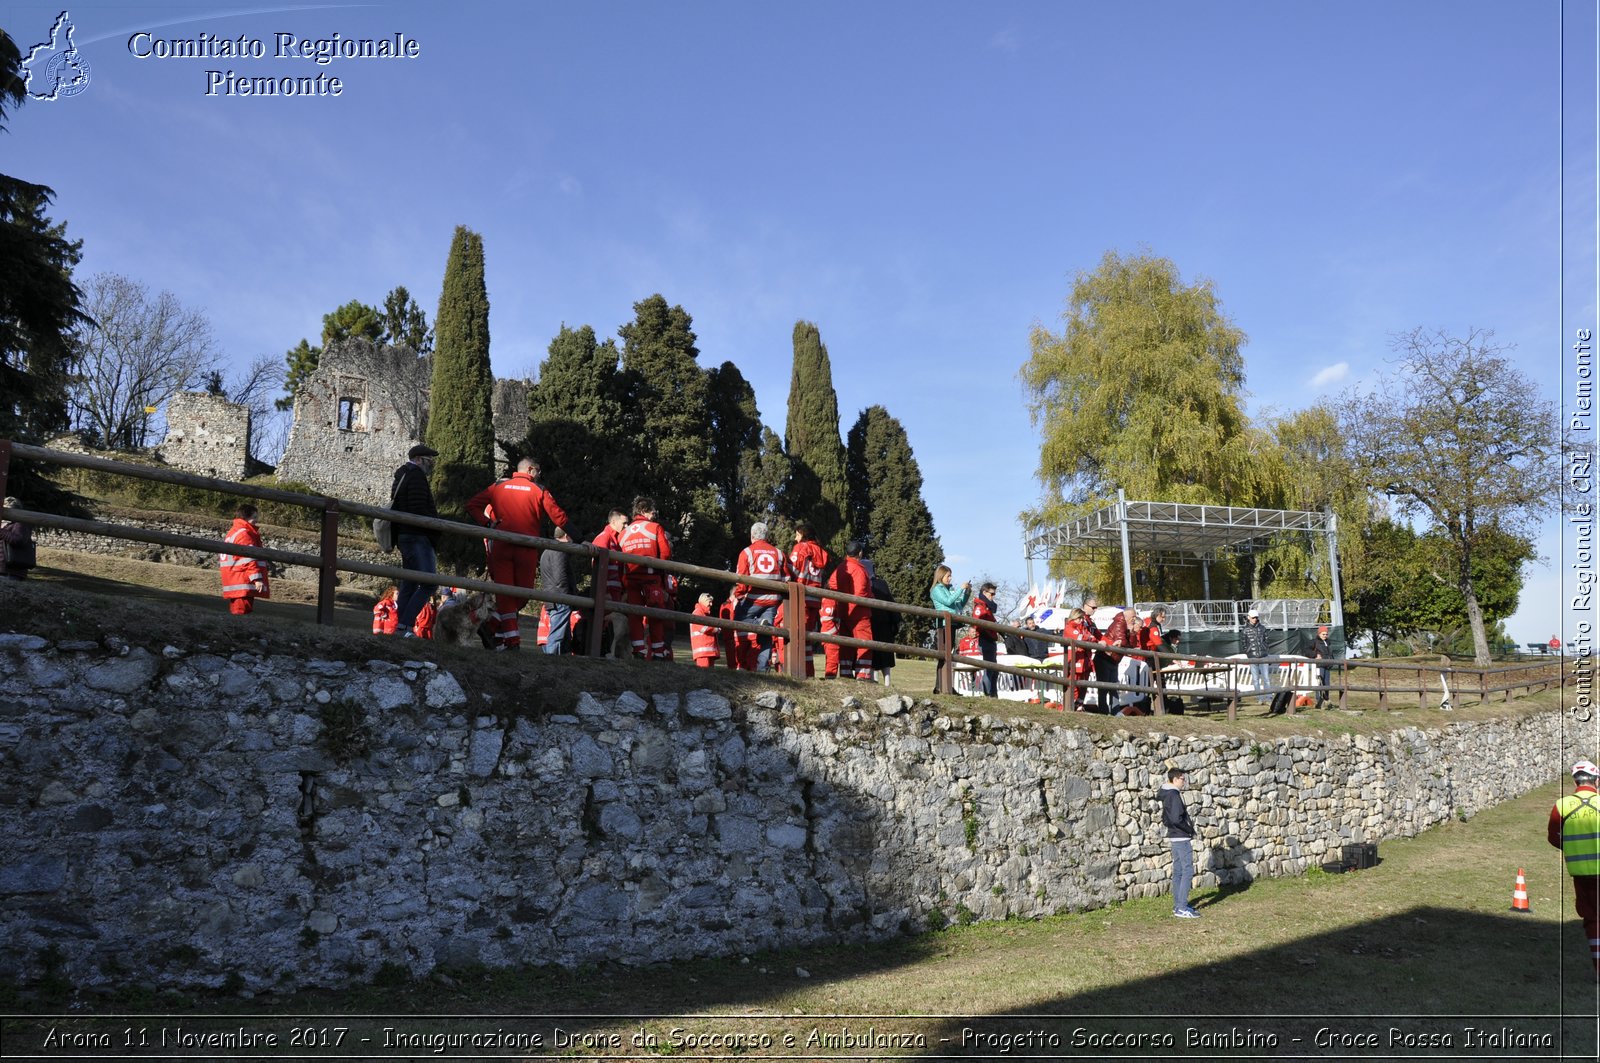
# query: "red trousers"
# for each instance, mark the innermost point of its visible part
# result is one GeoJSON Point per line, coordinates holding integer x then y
{"type": "Point", "coordinates": [241, 606]}
{"type": "Point", "coordinates": [832, 665]}
{"type": "Point", "coordinates": [648, 635]}
{"type": "Point", "coordinates": [1586, 899]}
{"type": "Point", "coordinates": [858, 625]}
{"type": "Point", "coordinates": [519, 567]}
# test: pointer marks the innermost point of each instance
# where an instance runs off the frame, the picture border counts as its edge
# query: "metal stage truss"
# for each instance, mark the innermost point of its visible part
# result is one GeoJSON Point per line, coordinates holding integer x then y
{"type": "Point", "coordinates": [1179, 533]}
{"type": "Point", "coordinates": [1171, 533]}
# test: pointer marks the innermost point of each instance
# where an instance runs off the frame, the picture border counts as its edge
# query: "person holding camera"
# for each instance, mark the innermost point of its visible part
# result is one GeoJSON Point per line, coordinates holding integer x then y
{"type": "Point", "coordinates": [948, 600]}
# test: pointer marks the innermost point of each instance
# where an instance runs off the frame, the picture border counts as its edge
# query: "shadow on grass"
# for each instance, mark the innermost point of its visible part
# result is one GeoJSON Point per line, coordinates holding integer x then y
{"type": "Point", "coordinates": [1428, 981]}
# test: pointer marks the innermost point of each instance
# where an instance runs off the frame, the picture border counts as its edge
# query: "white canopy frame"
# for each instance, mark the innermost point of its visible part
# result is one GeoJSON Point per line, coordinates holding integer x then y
{"type": "Point", "coordinates": [1181, 533]}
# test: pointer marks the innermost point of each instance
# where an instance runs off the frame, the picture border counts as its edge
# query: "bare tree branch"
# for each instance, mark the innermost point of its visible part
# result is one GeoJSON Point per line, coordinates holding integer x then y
{"type": "Point", "coordinates": [137, 352]}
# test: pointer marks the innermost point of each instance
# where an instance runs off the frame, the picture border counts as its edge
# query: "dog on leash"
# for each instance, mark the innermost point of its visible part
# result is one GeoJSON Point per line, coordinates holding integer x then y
{"type": "Point", "coordinates": [461, 616]}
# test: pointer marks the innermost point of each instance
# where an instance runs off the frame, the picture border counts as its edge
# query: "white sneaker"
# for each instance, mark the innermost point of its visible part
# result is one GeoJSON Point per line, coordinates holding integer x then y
{"type": "Point", "coordinates": [1186, 913]}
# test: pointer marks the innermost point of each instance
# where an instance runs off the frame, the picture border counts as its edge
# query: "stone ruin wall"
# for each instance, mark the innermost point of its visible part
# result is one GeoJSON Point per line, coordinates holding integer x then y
{"type": "Point", "coordinates": [177, 818]}
{"type": "Point", "coordinates": [207, 435]}
{"type": "Point", "coordinates": [355, 418]}
{"type": "Point", "coordinates": [364, 408]}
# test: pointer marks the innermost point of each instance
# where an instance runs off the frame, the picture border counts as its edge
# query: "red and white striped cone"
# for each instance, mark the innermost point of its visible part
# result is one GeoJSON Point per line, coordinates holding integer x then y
{"type": "Point", "coordinates": [1519, 895]}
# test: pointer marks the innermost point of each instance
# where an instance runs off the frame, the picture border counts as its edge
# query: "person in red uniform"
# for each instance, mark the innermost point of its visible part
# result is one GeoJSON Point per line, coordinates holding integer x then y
{"type": "Point", "coordinates": [729, 639]}
{"type": "Point", "coordinates": [611, 539]}
{"type": "Point", "coordinates": [1079, 660]}
{"type": "Point", "coordinates": [833, 665]}
{"type": "Point", "coordinates": [422, 627]}
{"type": "Point", "coordinates": [386, 614]}
{"type": "Point", "coordinates": [983, 608]}
{"type": "Point", "coordinates": [855, 619]}
{"type": "Point", "coordinates": [808, 561]}
{"type": "Point", "coordinates": [703, 637]}
{"type": "Point", "coordinates": [244, 579]}
{"type": "Point", "coordinates": [759, 605]}
{"type": "Point", "coordinates": [519, 505]}
{"type": "Point", "coordinates": [643, 585]}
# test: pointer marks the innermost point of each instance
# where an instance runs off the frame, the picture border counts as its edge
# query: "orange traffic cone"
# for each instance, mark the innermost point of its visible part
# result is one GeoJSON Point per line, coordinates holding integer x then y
{"type": "Point", "coordinates": [1519, 895]}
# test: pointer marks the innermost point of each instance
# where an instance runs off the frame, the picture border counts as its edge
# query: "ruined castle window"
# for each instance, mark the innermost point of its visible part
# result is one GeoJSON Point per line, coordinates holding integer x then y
{"type": "Point", "coordinates": [349, 414]}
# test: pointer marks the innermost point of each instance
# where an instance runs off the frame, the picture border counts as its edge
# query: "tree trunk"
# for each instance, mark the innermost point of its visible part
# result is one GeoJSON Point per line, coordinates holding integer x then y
{"type": "Point", "coordinates": [1480, 641]}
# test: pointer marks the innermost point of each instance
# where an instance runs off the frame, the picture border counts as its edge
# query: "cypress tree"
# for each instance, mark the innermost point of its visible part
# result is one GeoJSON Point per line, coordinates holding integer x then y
{"type": "Point", "coordinates": [668, 395]}
{"type": "Point", "coordinates": [577, 430]}
{"type": "Point", "coordinates": [460, 421]}
{"type": "Point", "coordinates": [819, 490]}
{"type": "Point", "coordinates": [887, 511]}
{"type": "Point", "coordinates": [735, 440]}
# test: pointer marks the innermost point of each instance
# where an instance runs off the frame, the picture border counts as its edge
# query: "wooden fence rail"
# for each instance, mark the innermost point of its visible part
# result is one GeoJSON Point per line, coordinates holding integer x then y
{"type": "Point", "coordinates": [328, 564]}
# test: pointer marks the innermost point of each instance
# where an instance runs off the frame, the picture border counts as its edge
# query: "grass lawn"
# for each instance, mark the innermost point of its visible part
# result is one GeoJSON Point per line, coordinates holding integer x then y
{"type": "Point", "coordinates": [1422, 943]}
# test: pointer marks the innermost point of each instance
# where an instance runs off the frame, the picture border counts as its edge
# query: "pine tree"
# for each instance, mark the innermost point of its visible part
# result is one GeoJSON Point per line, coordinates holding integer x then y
{"type": "Point", "coordinates": [302, 360]}
{"type": "Point", "coordinates": [819, 490]}
{"type": "Point", "coordinates": [887, 511]}
{"type": "Point", "coordinates": [460, 419]}
{"type": "Point", "coordinates": [668, 394]}
{"type": "Point", "coordinates": [403, 324]}
{"type": "Point", "coordinates": [577, 430]}
{"type": "Point", "coordinates": [39, 308]}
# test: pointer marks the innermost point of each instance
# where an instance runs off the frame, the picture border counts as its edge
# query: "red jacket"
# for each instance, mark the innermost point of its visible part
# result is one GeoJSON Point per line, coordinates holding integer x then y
{"type": "Point", "coordinates": [702, 637]}
{"type": "Point", "coordinates": [1150, 636]}
{"type": "Point", "coordinates": [806, 561]}
{"type": "Point", "coordinates": [423, 628]}
{"type": "Point", "coordinates": [851, 578]}
{"type": "Point", "coordinates": [983, 609]}
{"type": "Point", "coordinates": [1118, 635]}
{"type": "Point", "coordinates": [762, 559]}
{"type": "Point", "coordinates": [241, 574]}
{"type": "Point", "coordinates": [385, 617]}
{"type": "Point", "coordinates": [1078, 658]}
{"type": "Point", "coordinates": [520, 505]}
{"type": "Point", "coordinates": [609, 540]}
{"type": "Point", "coordinates": [644, 538]}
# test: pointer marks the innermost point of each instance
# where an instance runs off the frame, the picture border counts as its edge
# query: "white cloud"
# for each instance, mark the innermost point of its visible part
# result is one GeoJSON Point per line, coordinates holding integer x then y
{"type": "Point", "coordinates": [570, 186]}
{"type": "Point", "coordinates": [1331, 375]}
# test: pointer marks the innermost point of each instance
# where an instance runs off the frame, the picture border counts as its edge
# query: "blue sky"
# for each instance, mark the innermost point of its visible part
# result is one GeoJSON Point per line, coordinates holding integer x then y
{"type": "Point", "coordinates": [920, 179]}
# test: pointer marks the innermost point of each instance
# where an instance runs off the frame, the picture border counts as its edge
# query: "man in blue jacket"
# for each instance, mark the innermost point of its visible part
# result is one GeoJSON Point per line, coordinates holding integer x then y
{"type": "Point", "coordinates": [1180, 836]}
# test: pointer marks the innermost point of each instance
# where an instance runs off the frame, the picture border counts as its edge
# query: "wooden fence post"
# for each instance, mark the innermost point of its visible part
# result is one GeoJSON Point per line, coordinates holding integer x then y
{"type": "Point", "coordinates": [947, 667]}
{"type": "Point", "coordinates": [797, 654]}
{"type": "Point", "coordinates": [1383, 688]}
{"type": "Point", "coordinates": [597, 628]}
{"type": "Point", "coordinates": [328, 576]}
{"type": "Point", "coordinates": [1159, 702]}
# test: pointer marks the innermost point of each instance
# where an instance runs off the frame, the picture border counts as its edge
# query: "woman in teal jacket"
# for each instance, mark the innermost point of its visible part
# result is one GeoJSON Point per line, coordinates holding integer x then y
{"type": "Point", "coordinates": [947, 599]}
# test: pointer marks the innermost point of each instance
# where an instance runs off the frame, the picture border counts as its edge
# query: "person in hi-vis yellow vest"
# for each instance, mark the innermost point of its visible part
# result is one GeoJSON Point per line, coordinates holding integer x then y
{"type": "Point", "coordinates": [1575, 830]}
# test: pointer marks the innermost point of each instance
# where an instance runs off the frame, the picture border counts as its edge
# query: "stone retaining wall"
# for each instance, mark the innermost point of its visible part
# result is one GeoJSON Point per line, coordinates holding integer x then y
{"type": "Point", "coordinates": [176, 819]}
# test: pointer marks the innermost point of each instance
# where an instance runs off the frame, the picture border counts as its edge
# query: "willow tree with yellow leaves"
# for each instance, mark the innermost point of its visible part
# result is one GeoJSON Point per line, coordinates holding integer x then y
{"type": "Point", "coordinates": [1141, 389]}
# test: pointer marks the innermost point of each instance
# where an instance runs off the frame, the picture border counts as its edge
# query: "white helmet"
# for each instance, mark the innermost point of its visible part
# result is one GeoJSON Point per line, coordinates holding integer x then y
{"type": "Point", "coordinates": [1585, 767]}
